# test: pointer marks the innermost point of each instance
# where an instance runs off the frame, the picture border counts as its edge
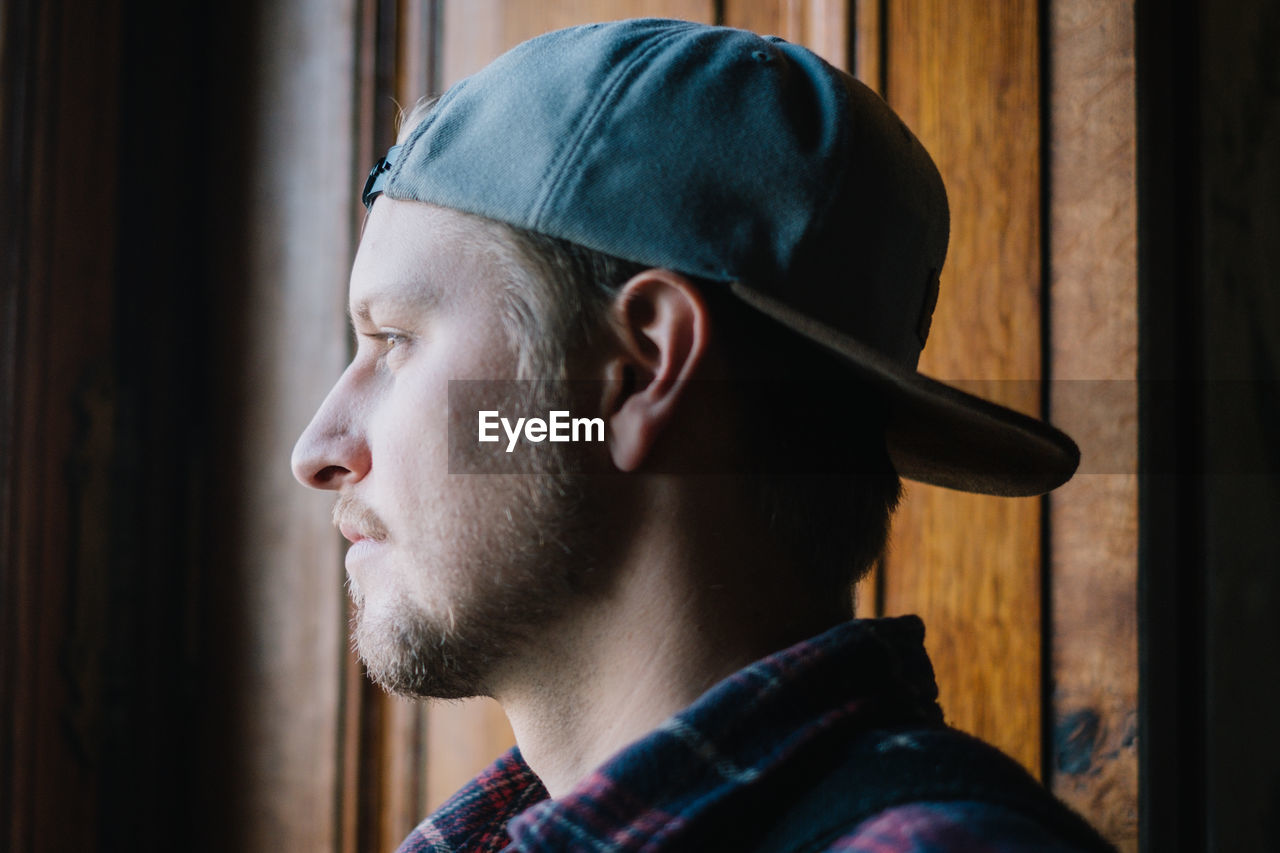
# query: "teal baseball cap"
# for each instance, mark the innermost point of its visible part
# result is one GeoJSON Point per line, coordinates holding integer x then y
{"type": "Point", "coordinates": [744, 160]}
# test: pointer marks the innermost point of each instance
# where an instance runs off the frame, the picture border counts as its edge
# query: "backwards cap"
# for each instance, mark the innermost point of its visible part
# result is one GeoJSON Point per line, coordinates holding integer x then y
{"type": "Point", "coordinates": [745, 160]}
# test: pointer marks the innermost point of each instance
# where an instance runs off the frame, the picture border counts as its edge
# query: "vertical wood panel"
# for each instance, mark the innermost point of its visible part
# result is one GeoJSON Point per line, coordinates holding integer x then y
{"type": "Point", "coordinates": [415, 49]}
{"type": "Point", "coordinates": [462, 738]}
{"type": "Point", "coordinates": [965, 77]}
{"type": "Point", "coordinates": [284, 183]}
{"type": "Point", "coordinates": [383, 791]}
{"type": "Point", "coordinates": [1093, 520]}
{"type": "Point", "coordinates": [361, 762]}
{"type": "Point", "coordinates": [868, 47]}
{"type": "Point", "coordinates": [60, 125]}
{"type": "Point", "coordinates": [820, 25]}
{"type": "Point", "coordinates": [785, 18]}
{"type": "Point", "coordinates": [360, 800]}
{"type": "Point", "coordinates": [405, 779]}
{"type": "Point", "coordinates": [476, 31]}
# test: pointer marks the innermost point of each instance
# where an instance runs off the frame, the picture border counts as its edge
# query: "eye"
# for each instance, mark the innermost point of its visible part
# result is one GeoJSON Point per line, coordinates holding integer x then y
{"type": "Point", "coordinates": [390, 340]}
{"type": "Point", "coordinates": [384, 344]}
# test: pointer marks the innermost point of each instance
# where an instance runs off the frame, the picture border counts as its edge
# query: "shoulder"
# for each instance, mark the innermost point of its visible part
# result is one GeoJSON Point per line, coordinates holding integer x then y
{"type": "Point", "coordinates": [933, 789]}
{"type": "Point", "coordinates": [954, 827]}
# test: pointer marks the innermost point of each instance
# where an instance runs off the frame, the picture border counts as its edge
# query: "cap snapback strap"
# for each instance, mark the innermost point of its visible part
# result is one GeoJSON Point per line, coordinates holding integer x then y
{"type": "Point", "coordinates": [377, 179]}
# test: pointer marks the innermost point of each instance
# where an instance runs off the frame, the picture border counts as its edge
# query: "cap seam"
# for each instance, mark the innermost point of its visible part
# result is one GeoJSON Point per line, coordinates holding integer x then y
{"type": "Point", "coordinates": [569, 153]}
{"type": "Point", "coordinates": [843, 134]}
{"type": "Point", "coordinates": [415, 136]}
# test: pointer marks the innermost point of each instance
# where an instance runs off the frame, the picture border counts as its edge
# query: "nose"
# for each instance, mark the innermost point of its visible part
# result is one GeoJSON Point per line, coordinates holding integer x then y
{"type": "Point", "coordinates": [333, 450]}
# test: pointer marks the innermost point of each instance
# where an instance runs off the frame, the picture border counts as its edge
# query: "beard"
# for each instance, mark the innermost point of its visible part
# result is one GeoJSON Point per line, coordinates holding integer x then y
{"type": "Point", "coordinates": [514, 568]}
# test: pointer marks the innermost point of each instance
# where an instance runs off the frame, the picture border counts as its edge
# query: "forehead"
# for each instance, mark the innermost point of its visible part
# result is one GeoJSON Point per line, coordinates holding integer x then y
{"type": "Point", "coordinates": [415, 254]}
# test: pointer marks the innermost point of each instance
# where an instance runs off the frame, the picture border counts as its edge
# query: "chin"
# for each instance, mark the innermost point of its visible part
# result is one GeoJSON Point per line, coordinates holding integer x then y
{"type": "Point", "coordinates": [411, 653]}
{"type": "Point", "coordinates": [441, 623]}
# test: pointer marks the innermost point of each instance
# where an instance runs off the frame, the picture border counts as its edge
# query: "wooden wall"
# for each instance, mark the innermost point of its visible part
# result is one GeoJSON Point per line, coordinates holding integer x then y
{"type": "Point", "coordinates": [966, 78]}
{"type": "Point", "coordinates": [56, 417]}
{"type": "Point", "coordinates": [1091, 578]}
{"type": "Point", "coordinates": [279, 248]}
{"type": "Point", "coordinates": [179, 213]}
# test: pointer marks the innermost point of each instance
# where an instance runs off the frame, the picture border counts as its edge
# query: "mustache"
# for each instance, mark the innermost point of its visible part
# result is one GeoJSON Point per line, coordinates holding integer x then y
{"type": "Point", "coordinates": [349, 511]}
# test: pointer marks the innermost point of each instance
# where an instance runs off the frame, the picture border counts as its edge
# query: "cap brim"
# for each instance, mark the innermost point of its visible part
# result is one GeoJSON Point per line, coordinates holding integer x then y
{"type": "Point", "coordinates": [936, 433]}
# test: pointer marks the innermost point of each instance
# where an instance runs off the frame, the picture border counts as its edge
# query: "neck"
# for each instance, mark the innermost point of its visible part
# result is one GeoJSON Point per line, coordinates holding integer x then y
{"type": "Point", "coordinates": [688, 605]}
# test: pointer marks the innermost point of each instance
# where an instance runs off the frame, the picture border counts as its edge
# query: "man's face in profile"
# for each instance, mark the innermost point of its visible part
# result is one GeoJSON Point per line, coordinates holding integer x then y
{"type": "Point", "coordinates": [448, 572]}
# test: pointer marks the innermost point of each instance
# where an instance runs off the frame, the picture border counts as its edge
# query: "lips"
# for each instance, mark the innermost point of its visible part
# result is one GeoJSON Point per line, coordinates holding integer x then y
{"type": "Point", "coordinates": [351, 533]}
{"type": "Point", "coordinates": [357, 522]}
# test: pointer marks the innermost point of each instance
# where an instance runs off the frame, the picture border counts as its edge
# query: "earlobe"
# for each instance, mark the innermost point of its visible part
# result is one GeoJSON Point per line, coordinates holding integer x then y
{"type": "Point", "coordinates": [662, 325]}
{"type": "Point", "coordinates": [623, 409]}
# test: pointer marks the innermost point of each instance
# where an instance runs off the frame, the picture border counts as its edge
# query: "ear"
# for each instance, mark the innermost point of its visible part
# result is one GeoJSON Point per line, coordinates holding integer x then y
{"type": "Point", "coordinates": [663, 327]}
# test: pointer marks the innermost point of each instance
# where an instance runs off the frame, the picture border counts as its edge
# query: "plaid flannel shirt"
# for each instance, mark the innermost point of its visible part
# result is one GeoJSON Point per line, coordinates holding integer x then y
{"type": "Point", "coordinates": [714, 776]}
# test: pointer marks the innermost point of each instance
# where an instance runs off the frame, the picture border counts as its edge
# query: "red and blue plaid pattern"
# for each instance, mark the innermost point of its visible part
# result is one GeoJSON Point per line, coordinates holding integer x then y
{"type": "Point", "coordinates": [703, 780]}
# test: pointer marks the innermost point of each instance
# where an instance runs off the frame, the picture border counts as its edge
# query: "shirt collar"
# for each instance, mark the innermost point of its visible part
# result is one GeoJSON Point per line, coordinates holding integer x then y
{"type": "Point", "coordinates": [861, 673]}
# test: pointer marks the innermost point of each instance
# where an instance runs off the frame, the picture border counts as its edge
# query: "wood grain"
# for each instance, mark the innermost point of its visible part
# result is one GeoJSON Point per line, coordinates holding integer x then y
{"type": "Point", "coordinates": [462, 739]}
{"type": "Point", "coordinates": [415, 50]}
{"type": "Point", "coordinates": [868, 49]}
{"type": "Point", "coordinates": [405, 780]}
{"type": "Point", "coordinates": [384, 753]}
{"type": "Point", "coordinates": [61, 131]}
{"type": "Point", "coordinates": [820, 25]}
{"type": "Point", "coordinates": [282, 229]}
{"type": "Point", "coordinates": [1093, 520]}
{"type": "Point", "coordinates": [965, 77]}
{"type": "Point", "coordinates": [476, 31]}
{"type": "Point", "coordinates": [383, 737]}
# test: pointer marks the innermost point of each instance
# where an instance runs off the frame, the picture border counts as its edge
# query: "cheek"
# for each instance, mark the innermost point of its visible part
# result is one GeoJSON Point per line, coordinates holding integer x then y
{"type": "Point", "coordinates": [408, 436]}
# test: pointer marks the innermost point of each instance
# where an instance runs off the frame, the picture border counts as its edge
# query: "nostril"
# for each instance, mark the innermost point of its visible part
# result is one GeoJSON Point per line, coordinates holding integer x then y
{"type": "Point", "coordinates": [328, 474]}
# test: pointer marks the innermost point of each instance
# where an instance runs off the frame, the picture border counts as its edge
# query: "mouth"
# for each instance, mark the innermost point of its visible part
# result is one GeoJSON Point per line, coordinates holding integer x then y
{"type": "Point", "coordinates": [356, 522]}
{"type": "Point", "coordinates": [351, 533]}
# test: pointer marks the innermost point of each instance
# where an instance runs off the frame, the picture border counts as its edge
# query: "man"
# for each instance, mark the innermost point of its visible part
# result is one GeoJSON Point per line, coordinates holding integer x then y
{"type": "Point", "coordinates": [725, 253]}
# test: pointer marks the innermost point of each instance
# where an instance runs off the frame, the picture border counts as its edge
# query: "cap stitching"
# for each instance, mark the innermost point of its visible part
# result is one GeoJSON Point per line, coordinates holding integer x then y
{"type": "Point", "coordinates": [411, 142]}
{"type": "Point", "coordinates": [842, 161]}
{"type": "Point", "coordinates": [569, 155]}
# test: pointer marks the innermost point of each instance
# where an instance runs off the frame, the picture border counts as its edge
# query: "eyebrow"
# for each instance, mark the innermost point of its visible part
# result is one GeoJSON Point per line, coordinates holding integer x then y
{"type": "Point", "coordinates": [416, 297]}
